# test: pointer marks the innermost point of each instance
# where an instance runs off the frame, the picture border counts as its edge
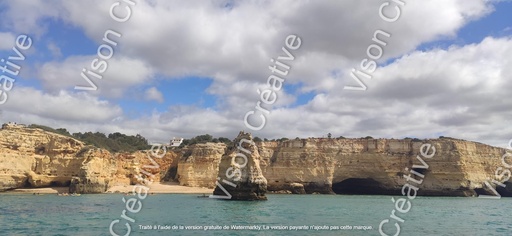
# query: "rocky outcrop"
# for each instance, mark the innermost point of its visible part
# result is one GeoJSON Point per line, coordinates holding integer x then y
{"type": "Point", "coordinates": [35, 158]}
{"type": "Point", "coordinates": [239, 172]}
{"type": "Point", "coordinates": [377, 166]}
{"type": "Point", "coordinates": [102, 170]}
{"type": "Point", "coordinates": [198, 163]}
{"type": "Point", "coordinates": [31, 157]}
{"type": "Point", "coordinates": [96, 172]}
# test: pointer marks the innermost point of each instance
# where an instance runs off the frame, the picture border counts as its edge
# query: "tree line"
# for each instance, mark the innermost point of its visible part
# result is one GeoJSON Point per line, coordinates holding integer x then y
{"type": "Point", "coordinates": [114, 142]}
{"type": "Point", "coordinates": [118, 142]}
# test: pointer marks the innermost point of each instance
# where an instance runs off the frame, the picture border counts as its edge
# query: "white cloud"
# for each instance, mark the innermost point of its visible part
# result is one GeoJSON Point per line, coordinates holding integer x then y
{"type": "Point", "coordinates": [27, 16]}
{"type": "Point", "coordinates": [422, 94]}
{"type": "Point", "coordinates": [61, 106]}
{"type": "Point", "coordinates": [203, 39]}
{"type": "Point", "coordinates": [7, 41]}
{"type": "Point", "coordinates": [121, 74]}
{"type": "Point", "coordinates": [153, 94]}
{"type": "Point", "coordinates": [460, 92]}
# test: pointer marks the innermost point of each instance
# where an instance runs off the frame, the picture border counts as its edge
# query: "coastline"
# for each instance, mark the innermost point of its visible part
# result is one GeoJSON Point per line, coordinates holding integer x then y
{"type": "Point", "coordinates": [164, 187]}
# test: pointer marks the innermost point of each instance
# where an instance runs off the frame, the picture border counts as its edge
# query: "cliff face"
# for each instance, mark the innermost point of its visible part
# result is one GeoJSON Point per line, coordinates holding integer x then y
{"type": "Point", "coordinates": [199, 163]}
{"type": "Point", "coordinates": [95, 173]}
{"type": "Point", "coordinates": [101, 170]}
{"type": "Point", "coordinates": [31, 157]}
{"type": "Point", "coordinates": [376, 166]}
{"type": "Point", "coordinates": [239, 175]}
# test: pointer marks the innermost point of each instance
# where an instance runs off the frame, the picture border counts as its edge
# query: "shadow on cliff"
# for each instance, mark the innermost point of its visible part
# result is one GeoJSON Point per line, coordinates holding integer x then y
{"type": "Point", "coordinates": [502, 191]}
{"type": "Point", "coordinates": [362, 186]}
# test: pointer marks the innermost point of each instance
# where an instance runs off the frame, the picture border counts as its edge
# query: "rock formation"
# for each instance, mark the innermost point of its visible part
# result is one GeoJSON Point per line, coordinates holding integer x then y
{"type": "Point", "coordinates": [96, 172]}
{"type": "Point", "coordinates": [34, 158]}
{"type": "Point", "coordinates": [239, 173]}
{"type": "Point", "coordinates": [377, 166]}
{"type": "Point", "coordinates": [31, 157]}
{"type": "Point", "coordinates": [199, 164]}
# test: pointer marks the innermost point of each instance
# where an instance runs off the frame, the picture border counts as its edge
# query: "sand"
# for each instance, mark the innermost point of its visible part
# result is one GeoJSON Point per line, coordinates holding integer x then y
{"type": "Point", "coordinates": [165, 187]}
{"type": "Point", "coordinates": [40, 190]}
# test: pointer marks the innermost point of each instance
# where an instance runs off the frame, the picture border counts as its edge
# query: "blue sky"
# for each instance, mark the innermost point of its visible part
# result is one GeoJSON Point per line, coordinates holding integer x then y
{"type": "Point", "coordinates": [189, 91]}
{"type": "Point", "coordinates": [192, 90]}
{"type": "Point", "coordinates": [183, 69]}
{"type": "Point", "coordinates": [497, 24]}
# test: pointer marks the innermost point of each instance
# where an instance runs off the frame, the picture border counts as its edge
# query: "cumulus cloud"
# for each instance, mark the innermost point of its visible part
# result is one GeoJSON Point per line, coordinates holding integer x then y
{"type": "Point", "coordinates": [153, 94]}
{"type": "Point", "coordinates": [228, 44]}
{"type": "Point", "coordinates": [27, 16]}
{"type": "Point", "coordinates": [420, 94]}
{"type": "Point", "coordinates": [121, 74]}
{"type": "Point", "coordinates": [61, 106]}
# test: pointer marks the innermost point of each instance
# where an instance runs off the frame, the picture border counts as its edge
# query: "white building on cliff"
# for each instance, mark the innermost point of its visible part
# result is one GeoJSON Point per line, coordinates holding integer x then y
{"type": "Point", "coordinates": [176, 142]}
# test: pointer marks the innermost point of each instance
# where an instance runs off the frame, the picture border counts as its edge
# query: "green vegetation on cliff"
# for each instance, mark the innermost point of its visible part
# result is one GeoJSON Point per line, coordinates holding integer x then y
{"type": "Point", "coordinates": [115, 142]}
{"type": "Point", "coordinates": [52, 130]}
{"type": "Point", "coordinates": [205, 138]}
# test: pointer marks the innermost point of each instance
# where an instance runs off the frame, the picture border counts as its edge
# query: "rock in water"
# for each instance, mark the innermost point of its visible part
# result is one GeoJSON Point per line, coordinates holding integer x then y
{"type": "Point", "coordinates": [240, 176]}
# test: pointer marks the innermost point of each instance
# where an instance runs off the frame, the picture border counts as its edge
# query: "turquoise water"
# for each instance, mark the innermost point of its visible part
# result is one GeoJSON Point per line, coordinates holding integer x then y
{"type": "Point", "coordinates": [92, 215]}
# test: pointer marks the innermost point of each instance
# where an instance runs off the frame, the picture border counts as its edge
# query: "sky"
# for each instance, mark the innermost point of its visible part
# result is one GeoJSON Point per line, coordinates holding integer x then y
{"type": "Point", "coordinates": [186, 68]}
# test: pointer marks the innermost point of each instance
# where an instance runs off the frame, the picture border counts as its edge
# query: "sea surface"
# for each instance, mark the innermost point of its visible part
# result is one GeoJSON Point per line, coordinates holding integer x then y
{"type": "Point", "coordinates": [169, 214]}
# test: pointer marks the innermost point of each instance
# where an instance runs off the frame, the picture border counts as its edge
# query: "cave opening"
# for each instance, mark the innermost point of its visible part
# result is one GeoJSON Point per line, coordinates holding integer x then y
{"type": "Point", "coordinates": [503, 192]}
{"type": "Point", "coordinates": [171, 174]}
{"type": "Point", "coordinates": [361, 186]}
{"type": "Point", "coordinates": [422, 171]}
{"type": "Point", "coordinates": [40, 150]}
{"type": "Point", "coordinates": [26, 184]}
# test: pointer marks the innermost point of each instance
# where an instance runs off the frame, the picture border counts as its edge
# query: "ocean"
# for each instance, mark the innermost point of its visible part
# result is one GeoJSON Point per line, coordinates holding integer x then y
{"type": "Point", "coordinates": [186, 214]}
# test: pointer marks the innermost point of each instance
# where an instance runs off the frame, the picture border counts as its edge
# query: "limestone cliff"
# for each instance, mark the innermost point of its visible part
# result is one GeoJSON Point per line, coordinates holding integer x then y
{"type": "Point", "coordinates": [239, 173]}
{"type": "Point", "coordinates": [101, 170]}
{"type": "Point", "coordinates": [31, 157]}
{"type": "Point", "coordinates": [198, 163]}
{"type": "Point", "coordinates": [94, 176]}
{"type": "Point", "coordinates": [374, 166]}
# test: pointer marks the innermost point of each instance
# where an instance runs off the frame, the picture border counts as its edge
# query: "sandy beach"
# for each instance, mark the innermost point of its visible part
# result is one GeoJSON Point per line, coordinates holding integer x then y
{"type": "Point", "coordinates": [39, 190]}
{"type": "Point", "coordinates": [165, 187]}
